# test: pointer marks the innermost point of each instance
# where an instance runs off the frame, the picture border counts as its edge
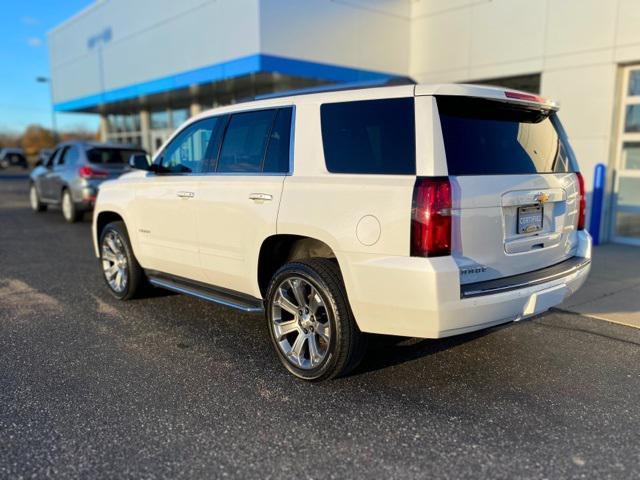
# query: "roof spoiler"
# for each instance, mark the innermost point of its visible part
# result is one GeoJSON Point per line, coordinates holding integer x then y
{"type": "Point", "coordinates": [337, 87]}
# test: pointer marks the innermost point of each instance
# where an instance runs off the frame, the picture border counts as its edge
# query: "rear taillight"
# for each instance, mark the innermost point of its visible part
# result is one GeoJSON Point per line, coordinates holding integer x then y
{"type": "Point", "coordinates": [431, 217]}
{"type": "Point", "coordinates": [582, 204]}
{"type": "Point", "coordinates": [89, 172]}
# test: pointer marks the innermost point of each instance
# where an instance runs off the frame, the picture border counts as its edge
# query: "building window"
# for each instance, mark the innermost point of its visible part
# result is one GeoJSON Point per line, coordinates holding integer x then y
{"type": "Point", "coordinates": [160, 120]}
{"type": "Point", "coordinates": [626, 196]}
{"type": "Point", "coordinates": [124, 128]}
{"type": "Point", "coordinates": [179, 116]}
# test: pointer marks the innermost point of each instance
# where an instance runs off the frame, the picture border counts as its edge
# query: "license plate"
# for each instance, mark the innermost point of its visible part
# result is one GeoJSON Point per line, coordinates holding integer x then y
{"type": "Point", "coordinates": [529, 219]}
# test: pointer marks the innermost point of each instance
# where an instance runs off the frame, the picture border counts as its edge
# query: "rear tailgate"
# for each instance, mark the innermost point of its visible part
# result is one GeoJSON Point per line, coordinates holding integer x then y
{"type": "Point", "coordinates": [515, 193]}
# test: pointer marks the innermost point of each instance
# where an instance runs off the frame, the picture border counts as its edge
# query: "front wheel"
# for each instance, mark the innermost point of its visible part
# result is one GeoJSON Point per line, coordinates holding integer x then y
{"type": "Point", "coordinates": [34, 199]}
{"type": "Point", "coordinates": [120, 269]}
{"type": "Point", "coordinates": [310, 321]}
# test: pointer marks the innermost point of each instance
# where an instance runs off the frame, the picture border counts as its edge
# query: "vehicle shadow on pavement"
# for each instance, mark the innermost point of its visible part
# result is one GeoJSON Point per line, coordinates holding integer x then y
{"type": "Point", "coordinates": [386, 351]}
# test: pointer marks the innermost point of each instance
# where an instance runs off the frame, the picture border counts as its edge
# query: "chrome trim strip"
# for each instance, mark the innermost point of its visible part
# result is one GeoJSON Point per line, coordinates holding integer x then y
{"type": "Point", "coordinates": [476, 289]}
{"type": "Point", "coordinates": [203, 296]}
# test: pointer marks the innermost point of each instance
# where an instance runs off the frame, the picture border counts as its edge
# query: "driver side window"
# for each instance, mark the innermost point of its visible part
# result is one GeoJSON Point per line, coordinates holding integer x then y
{"type": "Point", "coordinates": [190, 150]}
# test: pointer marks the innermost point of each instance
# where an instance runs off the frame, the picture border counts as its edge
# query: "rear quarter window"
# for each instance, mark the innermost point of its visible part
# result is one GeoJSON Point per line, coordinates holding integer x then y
{"type": "Point", "coordinates": [369, 137]}
{"type": "Point", "coordinates": [484, 137]}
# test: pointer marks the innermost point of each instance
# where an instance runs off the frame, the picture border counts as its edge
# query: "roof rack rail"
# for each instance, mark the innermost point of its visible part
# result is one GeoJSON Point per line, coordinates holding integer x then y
{"type": "Point", "coordinates": [337, 87]}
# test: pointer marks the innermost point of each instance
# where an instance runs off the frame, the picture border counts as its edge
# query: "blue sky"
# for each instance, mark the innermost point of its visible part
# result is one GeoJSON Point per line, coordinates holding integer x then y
{"type": "Point", "coordinates": [24, 56]}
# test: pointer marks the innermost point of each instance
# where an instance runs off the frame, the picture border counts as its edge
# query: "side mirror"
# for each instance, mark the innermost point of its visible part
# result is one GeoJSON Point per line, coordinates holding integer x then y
{"type": "Point", "coordinates": [140, 161]}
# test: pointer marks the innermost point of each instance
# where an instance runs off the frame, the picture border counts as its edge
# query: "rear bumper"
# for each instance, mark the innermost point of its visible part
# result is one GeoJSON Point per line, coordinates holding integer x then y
{"type": "Point", "coordinates": [419, 297]}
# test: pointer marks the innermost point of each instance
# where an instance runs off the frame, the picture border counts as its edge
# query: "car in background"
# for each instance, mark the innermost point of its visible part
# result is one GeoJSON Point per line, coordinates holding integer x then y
{"type": "Point", "coordinates": [12, 157]}
{"type": "Point", "coordinates": [72, 174]}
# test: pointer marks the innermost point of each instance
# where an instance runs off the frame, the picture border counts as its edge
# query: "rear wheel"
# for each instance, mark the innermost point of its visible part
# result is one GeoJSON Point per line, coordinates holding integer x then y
{"type": "Point", "coordinates": [310, 322]}
{"type": "Point", "coordinates": [69, 209]}
{"type": "Point", "coordinates": [34, 199]}
{"type": "Point", "coordinates": [121, 271]}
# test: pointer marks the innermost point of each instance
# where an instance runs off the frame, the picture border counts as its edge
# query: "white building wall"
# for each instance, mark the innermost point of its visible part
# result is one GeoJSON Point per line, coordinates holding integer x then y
{"type": "Point", "coordinates": [151, 39]}
{"type": "Point", "coordinates": [365, 34]}
{"type": "Point", "coordinates": [577, 45]}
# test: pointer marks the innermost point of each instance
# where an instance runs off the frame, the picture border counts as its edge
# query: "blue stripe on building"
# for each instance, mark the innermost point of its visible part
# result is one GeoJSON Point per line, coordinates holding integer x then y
{"type": "Point", "coordinates": [257, 63]}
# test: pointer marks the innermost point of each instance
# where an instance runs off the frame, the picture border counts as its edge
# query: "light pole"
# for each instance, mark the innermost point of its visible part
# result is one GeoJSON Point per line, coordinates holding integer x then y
{"type": "Point", "coordinates": [53, 110]}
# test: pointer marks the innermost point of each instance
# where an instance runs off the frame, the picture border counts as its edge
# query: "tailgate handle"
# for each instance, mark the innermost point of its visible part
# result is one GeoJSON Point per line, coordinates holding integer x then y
{"type": "Point", "coordinates": [184, 194]}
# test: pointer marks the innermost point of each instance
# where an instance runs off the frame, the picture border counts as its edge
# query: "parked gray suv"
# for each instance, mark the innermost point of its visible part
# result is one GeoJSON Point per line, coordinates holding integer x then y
{"type": "Point", "coordinates": [72, 174]}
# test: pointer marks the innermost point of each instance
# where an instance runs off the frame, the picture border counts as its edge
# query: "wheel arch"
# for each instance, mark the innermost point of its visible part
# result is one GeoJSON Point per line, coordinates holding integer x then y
{"type": "Point", "coordinates": [100, 220]}
{"type": "Point", "coordinates": [279, 249]}
{"type": "Point", "coordinates": [105, 218]}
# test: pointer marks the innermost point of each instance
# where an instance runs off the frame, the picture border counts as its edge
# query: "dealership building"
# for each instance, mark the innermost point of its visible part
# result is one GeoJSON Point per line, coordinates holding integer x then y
{"type": "Point", "coordinates": [145, 66]}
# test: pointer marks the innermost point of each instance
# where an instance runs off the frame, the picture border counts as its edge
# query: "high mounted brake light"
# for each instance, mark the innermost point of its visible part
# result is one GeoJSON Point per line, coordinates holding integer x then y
{"type": "Point", "coordinates": [525, 96]}
{"type": "Point", "coordinates": [431, 217]}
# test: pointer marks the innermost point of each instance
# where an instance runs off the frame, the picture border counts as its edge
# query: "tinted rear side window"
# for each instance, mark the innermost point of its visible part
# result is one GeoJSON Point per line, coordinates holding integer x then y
{"type": "Point", "coordinates": [244, 143]}
{"type": "Point", "coordinates": [484, 137]}
{"type": "Point", "coordinates": [371, 136]}
{"type": "Point", "coordinates": [277, 158]}
{"type": "Point", "coordinates": [110, 155]}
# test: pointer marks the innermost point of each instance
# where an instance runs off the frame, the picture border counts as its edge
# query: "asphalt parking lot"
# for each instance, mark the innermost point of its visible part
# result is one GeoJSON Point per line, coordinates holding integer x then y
{"type": "Point", "coordinates": [173, 387]}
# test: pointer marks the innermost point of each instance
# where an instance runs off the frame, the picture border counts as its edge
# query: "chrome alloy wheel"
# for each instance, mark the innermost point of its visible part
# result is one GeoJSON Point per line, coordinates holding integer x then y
{"type": "Point", "coordinates": [67, 208]}
{"type": "Point", "coordinates": [300, 323]}
{"type": "Point", "coordinates": [114, 262]}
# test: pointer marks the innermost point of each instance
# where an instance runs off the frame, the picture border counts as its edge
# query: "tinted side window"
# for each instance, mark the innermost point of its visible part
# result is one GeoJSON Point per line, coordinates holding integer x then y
{"type": "Point", "coordinates": [60, 157]}
{"type": "Point", "coordinates": [52, 158]}
{"type": "Point", "coordinates": [277, 159]}
{"type": "Point", "coordinates": [372, 136]}
{"type": "Point", "coordinates": [243, 148]}
{"type": "Point", "coordinates": [71, 156]}
{"type": "Point", "coordinates": [189, 151]}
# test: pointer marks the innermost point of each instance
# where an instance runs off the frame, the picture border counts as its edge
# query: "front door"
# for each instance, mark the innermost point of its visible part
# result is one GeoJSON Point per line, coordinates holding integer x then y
{"type": "Point", "coordinates": [44, 182]}
{"type": "Point", "coordinates": [626, 203]}
{"type": "Point", "coordinates": [165, 204]}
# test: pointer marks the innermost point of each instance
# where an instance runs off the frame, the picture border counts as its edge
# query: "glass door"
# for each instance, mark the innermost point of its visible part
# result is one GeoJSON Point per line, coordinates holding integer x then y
{"type": "Point", "coordinates": [626, 211]}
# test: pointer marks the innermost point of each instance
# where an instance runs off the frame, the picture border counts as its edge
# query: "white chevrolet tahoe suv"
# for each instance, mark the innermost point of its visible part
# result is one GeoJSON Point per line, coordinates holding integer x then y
{"type": "Point", "coordinates": [414, 210]}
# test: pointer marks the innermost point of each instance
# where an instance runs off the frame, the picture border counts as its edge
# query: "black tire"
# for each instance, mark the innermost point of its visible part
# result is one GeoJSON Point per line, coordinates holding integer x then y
{"type": "Point", "coordinates": [135, 274]}
{"type": "Point", "coordinates": [346, 345]}
{"type": "Point", "coordinates": [34, 199]}
{"type": "Point", "coordinates": [70, 211]}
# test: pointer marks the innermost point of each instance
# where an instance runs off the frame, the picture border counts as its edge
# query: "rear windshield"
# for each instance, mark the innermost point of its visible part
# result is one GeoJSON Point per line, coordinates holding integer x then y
{"type": "Point", "coordinates": [484, 137]}
{"type": "Point", "coordinates": [370, 136]}
{"type": "Point", "coordinates": [110, 155]}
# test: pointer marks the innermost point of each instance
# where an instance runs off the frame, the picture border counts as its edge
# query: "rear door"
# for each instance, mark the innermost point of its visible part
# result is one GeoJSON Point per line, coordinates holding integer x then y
{"type": "Point", "coordinates": [515, 193]}
{"type": "Point", "coordinates": [239, 200]}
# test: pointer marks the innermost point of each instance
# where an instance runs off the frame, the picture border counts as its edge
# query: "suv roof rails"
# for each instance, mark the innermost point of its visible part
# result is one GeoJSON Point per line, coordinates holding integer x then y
{"type": "Point", "coordinates": [338, 87]}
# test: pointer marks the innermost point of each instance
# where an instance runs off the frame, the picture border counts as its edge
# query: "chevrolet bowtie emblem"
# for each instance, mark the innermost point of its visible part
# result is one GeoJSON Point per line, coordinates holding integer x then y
{"type": "Point", "coordinates": [542, 197]}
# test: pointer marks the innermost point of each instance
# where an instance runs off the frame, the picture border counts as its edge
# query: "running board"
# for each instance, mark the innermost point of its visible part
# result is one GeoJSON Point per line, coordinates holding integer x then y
{"type": "Point", "coordinates": [228, 298]}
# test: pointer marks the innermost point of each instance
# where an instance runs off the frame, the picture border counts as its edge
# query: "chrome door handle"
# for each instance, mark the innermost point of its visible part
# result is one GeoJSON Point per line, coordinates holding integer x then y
{"type": "Point", "coordinates": [186, 194]}
{"type": "Point", "coordinates": [260, 196]}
